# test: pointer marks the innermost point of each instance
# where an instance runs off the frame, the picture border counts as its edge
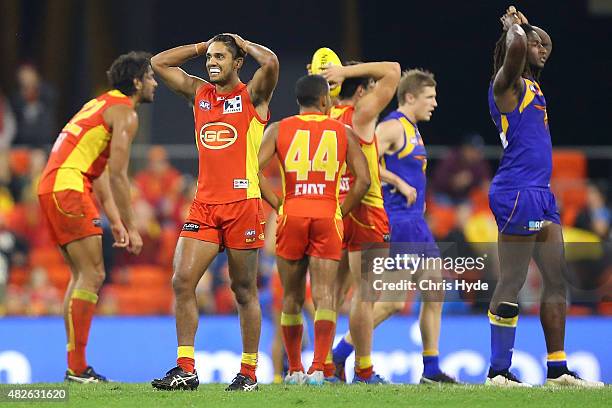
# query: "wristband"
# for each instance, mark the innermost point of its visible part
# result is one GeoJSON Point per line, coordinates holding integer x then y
{"type": "Point", "coordinates": [197, 48]}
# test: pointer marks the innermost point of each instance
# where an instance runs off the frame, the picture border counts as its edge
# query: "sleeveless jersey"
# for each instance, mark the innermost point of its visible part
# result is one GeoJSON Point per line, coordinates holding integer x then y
{"type": "Point", "coordinates": [312, 151]}
{"type": "Point", "coordinates": [409, 163]}
{"type": "Point", "coordinates": [228, 133]}
{"type": "Point", "coordinates": [82, 148]}
{"type": "Point", "coordinates": [373, 197]}
{"type": "Point", "coordinates": [527, 157]}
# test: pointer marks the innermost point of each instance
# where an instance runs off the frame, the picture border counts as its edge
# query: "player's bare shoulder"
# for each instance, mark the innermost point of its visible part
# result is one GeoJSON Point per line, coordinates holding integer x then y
{"type": "Point", "coordinates": [389, 135]}
{"type": "Point", "coordinates": [123, 115]}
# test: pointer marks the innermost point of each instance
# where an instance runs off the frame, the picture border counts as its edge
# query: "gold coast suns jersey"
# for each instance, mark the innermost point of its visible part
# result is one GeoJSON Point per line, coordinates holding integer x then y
{"type": "Point", "coordinates": [228, 133]}
{"type": "Point", "coordinates": [373, 197]}
{"type": "Point", "coordinates": [81, 150]}
{"type": "Point", "coordinates": [312, 151]}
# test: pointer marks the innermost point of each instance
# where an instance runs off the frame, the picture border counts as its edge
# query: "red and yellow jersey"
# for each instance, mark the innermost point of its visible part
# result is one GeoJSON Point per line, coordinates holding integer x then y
{"type": "Point", "coordinates": [81, 150]}
{"type": "Point", "coordinates": [312, 151]}
{"type": "Point", "coordinates": [373, 197]}
{"type": "Point", "coordinates": [228, 134]}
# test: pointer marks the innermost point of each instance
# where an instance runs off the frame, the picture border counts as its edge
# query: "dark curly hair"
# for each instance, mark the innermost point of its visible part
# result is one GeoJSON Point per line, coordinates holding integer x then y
{"type": "Point", "coordinates": [126, 68]}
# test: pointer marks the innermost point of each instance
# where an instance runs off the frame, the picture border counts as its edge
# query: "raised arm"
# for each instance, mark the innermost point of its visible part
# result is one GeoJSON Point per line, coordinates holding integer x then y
{"type": "Point", "coordinates": [265, 78]}
{"type": "Point", "coordinates": [266, 152]}
{"type": "Point", "coordinates": [124, 122]}
{"type": "Point", "coordinates": [358, 165]}
{"type": "Point", "coordinates": [166, 65]}
{"type": "Point", "coordinates": [102, 190]}
{"type": "Point", "coordinates": [387, 76]}
{"type": "Point", "coordinates": [507, 84]}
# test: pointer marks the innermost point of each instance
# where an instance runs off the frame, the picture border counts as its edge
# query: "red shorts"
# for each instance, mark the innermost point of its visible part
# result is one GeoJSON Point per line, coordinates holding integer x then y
{"type": "Point", "coordinates": [237, 225]}
{"type": "Point", "coordinates": [365, 225]}
{"type": "Point", "coordinates": [299, 236]}
{"type": "Point", "coordinates": [71, 215]}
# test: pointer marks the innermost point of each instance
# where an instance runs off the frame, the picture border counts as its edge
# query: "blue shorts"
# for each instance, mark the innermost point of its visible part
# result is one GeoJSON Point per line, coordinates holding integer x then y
{"type": "Point", "coordinates": [415, 236]}
{"type": "Point", "coordinates": [523, 212]}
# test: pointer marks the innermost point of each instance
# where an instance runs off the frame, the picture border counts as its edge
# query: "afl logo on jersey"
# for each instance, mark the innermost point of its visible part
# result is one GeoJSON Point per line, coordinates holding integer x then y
{"type": "Point", "coordinates": [204, 105]}
{"type": "Point", "coordinates": [218, 135]}
{"type": "Point", "coordinates": [535, 89]}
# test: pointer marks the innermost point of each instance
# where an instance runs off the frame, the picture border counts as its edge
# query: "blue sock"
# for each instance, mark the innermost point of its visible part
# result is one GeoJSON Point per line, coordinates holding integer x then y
{"type": "Point", "coordinates": [503, 330]}
{"type": "Point", "coordinates": [431, 366]}
{"type": "Point", "coordinates": [556, 364]}
{"type": "Point", "coordinates": [342, 350]}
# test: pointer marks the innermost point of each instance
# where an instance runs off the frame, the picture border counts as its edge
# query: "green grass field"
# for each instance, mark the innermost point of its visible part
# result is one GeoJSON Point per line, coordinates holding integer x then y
{"type": "Point", "coordinates": [272, 396]}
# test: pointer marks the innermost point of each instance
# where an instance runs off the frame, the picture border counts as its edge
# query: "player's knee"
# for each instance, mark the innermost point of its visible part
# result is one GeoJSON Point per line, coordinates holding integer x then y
{"type": "Point", "coordinates": [181, 284]}
{"type": "Point", "coordinates": [554, 287]}
{"type": "Point", "coordinates": [324, 298]}
{"type": "Point", "coordinates": [99, 277]}
{"type": "Point", "coordinates": [292, 304]}
{"type": "Point", "coordinates": [94, 278]}
{"type": "Point", "coordinates": [245, 292]}
{"type": "Point", "coordinates": [293, 299]}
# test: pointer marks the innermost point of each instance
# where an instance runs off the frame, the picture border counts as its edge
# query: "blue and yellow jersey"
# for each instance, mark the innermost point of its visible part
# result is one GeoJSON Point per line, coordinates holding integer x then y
{"type": "Point", "coordinates": [527, 158]}
{"type": "Point", "coordinates": [409, 163]}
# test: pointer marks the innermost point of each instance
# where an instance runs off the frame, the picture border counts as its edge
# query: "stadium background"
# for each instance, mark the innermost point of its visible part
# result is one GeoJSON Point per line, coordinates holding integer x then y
{"type": "Point", "coordinates": [71, 44]}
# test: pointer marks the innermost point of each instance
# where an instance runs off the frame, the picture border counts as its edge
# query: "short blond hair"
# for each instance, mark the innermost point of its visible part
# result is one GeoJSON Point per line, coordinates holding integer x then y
{"type": "Point", "coordinates": [413, 81]}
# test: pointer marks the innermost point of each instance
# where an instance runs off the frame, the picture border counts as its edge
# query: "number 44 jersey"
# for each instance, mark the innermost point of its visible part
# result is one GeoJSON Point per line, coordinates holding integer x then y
{"type": "Point", "coordinates": [312, 151]}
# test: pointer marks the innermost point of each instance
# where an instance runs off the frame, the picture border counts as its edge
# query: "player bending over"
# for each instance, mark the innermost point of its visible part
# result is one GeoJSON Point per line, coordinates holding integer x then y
{"type": "Point", "coordinates": [91, 157]}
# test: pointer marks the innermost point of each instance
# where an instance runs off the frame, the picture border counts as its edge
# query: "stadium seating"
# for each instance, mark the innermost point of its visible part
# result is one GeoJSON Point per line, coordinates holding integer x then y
{"type": "Point", "coordinates": [569, 182]}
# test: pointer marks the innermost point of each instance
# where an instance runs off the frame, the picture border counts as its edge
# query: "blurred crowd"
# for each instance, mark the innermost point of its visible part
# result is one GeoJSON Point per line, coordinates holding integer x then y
{"type": "Point", "coordinates": [33, 275]}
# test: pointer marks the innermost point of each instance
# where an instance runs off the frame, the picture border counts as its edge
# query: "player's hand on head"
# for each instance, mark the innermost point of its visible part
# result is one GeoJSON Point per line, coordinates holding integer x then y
{"type": "Point", "coordinates": [241, 42]}
{"type": "Point", "coordinates": [135, 245]}
{"type": "Point", "coordinates": [511, 17]}
{"type": "Point", "coordinates": [333, 73]}
{"type": "Point", "coordinates": [120, 234]}
{"type": "Point", "coordinates": [522, 18]}
{"type": "Point", "coordinates": [309, 68]}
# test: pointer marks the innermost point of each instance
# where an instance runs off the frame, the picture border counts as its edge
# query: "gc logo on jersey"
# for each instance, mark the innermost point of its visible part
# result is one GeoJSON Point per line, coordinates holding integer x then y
{"type": "Point", "coordinates": [218, 135]}
{"type": "Point", "coordinates": [233, 105]}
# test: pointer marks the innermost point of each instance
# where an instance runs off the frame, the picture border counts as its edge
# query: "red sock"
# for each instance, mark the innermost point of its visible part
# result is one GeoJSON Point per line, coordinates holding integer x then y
{"type": "Point", "coordinates": [187, 364]}
{"type": "Point", "coordinates": [324, 331]}
{"type": "Point", "coordinates": [292, 337]}
{"type": "Point", "coordinates": [329, 369]}
{"type": "Point", "coordinates": [365, 372]}
{"type": "Point", "coordinates": [81, 310]}
{"type": "Point", "coordinates": [248, 370]}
